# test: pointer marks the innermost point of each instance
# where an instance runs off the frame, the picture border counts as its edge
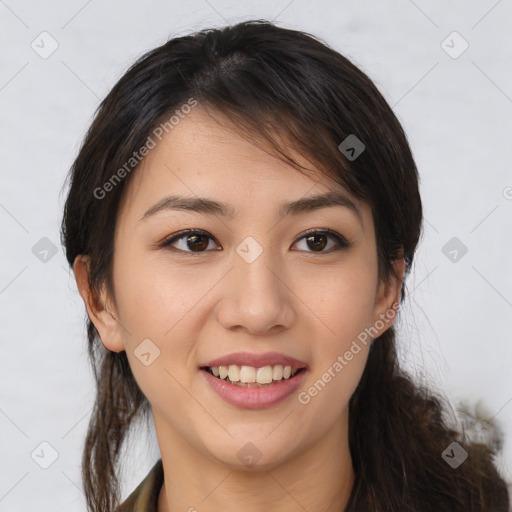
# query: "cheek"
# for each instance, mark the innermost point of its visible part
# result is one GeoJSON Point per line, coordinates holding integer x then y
{"type": "Point", "coordinates": [343, 298]}
{"type": "Point", "coordinates": [344, 305]}
{"type": "Point", "coordinates": [166, 305]}
{"type": "Point", "coordinates": [158, 308]}
{"type": "Point", "coordinates": [155, 299]}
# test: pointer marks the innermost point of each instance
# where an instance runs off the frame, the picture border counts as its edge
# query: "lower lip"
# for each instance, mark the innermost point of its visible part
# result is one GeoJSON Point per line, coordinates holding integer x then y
{"type": "Point", "coordinates": [255, 398]}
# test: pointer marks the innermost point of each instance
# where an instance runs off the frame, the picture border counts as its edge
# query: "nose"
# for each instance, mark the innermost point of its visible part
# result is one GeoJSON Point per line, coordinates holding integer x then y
{"type": "Point", "coordinates": [257, 297]}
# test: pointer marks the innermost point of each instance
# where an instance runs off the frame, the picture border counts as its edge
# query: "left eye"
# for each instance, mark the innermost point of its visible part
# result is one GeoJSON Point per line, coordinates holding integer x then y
{"type": "Point", "coordinates": [198, 241]}
{"type": "Point", "coordinates": [318, 240]}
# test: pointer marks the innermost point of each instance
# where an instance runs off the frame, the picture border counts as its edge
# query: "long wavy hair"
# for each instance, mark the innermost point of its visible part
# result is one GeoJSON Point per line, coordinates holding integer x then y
{"type": "Point", "coordinates": [278, 84]}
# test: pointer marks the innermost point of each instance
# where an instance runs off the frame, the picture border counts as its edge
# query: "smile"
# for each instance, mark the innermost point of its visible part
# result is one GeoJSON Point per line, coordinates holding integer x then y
{"type": "Point", "coordinates": [250, 376]}
{"type": "Point", "coordinates": [252, 395]}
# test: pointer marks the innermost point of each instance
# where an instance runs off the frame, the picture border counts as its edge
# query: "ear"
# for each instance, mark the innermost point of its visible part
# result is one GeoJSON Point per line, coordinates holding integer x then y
{"type": "Point", "coordinates": [98, 306]}
{"type": "Point", "coordinates": [388, 298]}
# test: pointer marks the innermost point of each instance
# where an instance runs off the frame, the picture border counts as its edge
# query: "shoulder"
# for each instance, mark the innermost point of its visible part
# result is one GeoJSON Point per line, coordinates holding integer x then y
{"type": "Point", "coordinates": [145, 497]}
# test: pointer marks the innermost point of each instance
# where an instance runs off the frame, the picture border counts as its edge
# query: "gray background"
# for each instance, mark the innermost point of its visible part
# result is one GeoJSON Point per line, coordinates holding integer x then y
{"type": "Point", "coordinates": [455, 330]}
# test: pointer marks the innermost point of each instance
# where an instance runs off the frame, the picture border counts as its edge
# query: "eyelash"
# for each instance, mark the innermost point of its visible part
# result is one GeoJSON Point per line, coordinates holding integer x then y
{"type": "Point", "coordinates": [341, 241]}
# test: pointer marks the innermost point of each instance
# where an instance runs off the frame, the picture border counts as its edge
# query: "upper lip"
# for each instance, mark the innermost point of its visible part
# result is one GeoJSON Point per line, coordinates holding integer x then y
{"type": "Point", "coordinates": [256, 360]}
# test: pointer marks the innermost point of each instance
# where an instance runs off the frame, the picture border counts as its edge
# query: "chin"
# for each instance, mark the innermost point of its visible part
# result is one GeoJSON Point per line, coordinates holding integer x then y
{"type": "Point", "coordinates": [253, 453]}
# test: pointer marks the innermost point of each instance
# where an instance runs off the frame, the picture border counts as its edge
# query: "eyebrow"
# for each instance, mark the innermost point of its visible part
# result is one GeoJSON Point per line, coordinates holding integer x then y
{"type": "Point", "coordinates": [211, 207]}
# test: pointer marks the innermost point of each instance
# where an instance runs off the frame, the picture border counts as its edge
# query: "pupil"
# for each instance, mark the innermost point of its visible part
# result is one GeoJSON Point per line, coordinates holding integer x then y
{"type": "Point", "coordinates": [196, 241]}
{"type": "Point", "coordinates": [314, 239]}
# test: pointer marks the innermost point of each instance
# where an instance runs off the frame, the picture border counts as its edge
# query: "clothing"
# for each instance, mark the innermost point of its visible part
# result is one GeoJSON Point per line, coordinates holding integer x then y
{"type": "Point", "coordinates": [145, 497]}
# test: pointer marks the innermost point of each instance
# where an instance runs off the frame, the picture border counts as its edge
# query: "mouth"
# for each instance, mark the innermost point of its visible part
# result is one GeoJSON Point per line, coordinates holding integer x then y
{"type": "Point", "coordinates": [251, 380]}
{"type": "Point", "coordinates": [251, 376]}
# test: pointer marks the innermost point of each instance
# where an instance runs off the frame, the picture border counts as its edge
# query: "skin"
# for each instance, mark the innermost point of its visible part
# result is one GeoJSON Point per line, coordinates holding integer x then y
{"type": "Point", "coordinates": [196, 307]}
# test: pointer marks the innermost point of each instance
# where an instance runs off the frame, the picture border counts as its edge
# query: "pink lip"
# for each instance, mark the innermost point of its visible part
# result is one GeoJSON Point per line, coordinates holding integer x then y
{"type": "Point", "coordinates": [256, 360]}
{"type": "Point", "coordinates": [254, 398]}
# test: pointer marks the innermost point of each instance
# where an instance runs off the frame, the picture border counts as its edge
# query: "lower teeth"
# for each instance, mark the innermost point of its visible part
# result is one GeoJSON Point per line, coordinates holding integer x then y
{"type": "Point", "coordinates": [249, 384]}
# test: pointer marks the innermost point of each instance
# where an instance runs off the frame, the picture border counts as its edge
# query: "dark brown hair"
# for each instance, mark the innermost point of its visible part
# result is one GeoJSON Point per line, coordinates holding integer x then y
{"type": "Point", "coordinates": [277, 84]}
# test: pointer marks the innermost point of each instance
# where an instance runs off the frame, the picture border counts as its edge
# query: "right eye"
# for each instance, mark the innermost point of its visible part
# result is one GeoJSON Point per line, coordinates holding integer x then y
{"type": "Point", "coordinates": [189, 240]}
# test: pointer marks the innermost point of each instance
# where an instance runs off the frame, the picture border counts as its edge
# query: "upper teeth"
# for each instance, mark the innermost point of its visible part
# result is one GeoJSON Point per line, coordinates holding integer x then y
{"type": "Point", "coordinates": [248, 374]}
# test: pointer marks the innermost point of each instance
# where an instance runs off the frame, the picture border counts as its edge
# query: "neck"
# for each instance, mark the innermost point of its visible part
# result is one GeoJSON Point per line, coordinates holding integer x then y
{"type": "Point", "coordinates": [318, 478]}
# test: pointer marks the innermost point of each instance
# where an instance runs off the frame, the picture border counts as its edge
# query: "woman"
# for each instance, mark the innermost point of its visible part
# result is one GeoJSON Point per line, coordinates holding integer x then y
{"type": "Point", "coordinates": [240, 220]}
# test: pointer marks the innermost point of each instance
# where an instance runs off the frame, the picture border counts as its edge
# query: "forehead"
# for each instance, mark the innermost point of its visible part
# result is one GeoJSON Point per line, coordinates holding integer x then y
{"type": "Point", "coordinates": [202, 141]}
{"type": "Point", "coordinates": [206, 156]}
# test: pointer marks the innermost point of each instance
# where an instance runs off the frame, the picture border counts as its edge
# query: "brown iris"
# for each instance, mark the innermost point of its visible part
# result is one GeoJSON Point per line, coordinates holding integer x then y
{"type": "Point", "coordinates": [317, 241]}
{"type": "Point", "coordinates": [197, 242]}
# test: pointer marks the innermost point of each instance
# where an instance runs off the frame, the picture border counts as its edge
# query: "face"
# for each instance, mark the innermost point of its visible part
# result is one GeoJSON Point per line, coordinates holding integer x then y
{"type": "Point", "coordinates": [249, 278]}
